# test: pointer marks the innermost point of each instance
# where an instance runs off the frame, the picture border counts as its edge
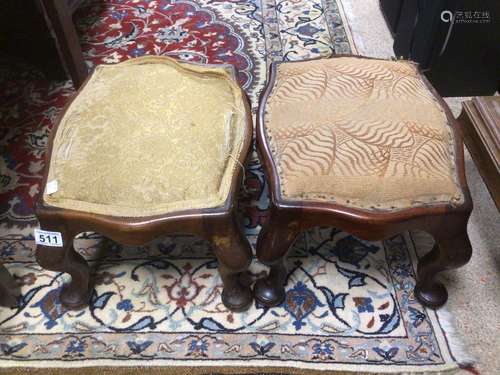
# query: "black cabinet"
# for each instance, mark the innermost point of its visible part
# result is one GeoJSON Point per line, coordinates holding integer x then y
{"type": "Point", "coordinates": [392, 10]}
{"type": "Point", "coordinates": [456, 43]}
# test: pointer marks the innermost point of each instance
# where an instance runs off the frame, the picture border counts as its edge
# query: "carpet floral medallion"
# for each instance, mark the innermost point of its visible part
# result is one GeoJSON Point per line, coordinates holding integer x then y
{"type": "Point", "coordinates": [349, 303]}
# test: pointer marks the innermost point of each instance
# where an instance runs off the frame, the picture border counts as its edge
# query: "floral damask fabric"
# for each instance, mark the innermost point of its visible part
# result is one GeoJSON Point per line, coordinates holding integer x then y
{"type": "Point", "coordinates": [151, 136]}
{"type": "Point", "coordinates": [360, 132]}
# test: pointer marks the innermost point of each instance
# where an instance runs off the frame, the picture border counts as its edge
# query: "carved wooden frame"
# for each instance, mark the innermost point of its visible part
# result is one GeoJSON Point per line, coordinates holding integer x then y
{"type": "Point", "coordinates": [219, 226]}
{"type": "Point", "coordinates": [288, 218]}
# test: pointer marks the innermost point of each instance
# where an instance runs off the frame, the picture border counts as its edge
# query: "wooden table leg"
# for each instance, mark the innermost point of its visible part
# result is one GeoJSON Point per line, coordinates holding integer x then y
{"type": "Point", "coordinates": [273, 244]}
{"type": "Point", "coordinates": [234, 255]}
{"type": "Point", "coordinates": [68, 44]}
{"type": "Point", "coordinates": [7, 287]}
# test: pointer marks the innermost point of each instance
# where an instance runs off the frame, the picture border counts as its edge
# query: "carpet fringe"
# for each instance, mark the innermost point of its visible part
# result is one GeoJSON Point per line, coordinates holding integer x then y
{"type": "Point", "coordinates": [202, 371]}
{"type": "Point", "coordinates": [455, 341]}
{"type": "Point", "coordinates": [423, 243]}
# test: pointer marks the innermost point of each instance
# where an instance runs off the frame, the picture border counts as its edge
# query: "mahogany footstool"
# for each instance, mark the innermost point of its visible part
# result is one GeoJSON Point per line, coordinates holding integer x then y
{"type": "Point", "coordinates": [147, 147]}
{"type": "Point", "coordinates": [366, 146]}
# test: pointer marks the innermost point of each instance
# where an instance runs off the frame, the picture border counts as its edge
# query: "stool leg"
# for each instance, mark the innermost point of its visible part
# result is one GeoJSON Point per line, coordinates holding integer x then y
{"type": "Point", "coordinates": [273, 244]}
{"type": "Point", "coordinates": [234, 255]}
{"type": "Point", "coordinates": [76, 293]}
{"type": "Point", "coordinates": [7, 287]}
{"type": "Point", "coordinates": [452, 250]}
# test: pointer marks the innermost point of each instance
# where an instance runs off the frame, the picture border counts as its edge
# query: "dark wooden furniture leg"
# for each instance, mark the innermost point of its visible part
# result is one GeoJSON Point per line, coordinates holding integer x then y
{"type": "Point", "coordinates": [234, 255]}
{"type": "Point", "coordinates": [230, 246]}
{"type": "Point", "coordinates": [76, 293]}
{"type": "Point", "coordinates": [7, 285]}
{"type": "Point", "coordinates": [59, 15]}
{"type": "Point", "coordinates": [273, 244]}
{"type": "Point", "coordinates": [216, 224]}
{"type": "Point", "coordinates": [446, 221]}
{"type": "Point", "coordinates": [452, 250]}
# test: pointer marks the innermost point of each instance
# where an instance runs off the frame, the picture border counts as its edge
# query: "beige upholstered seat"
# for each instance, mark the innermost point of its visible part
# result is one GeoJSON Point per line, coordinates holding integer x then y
{"type": "Point", "coordinates": [146, 137]}
{"type": "Point", "coordinates": [360, 132]}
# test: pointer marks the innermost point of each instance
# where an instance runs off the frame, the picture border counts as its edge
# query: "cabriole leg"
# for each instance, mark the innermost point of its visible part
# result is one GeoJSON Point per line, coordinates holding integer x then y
{"type": "Point", "coordinates": [273, 244]}
{"type": "Point", "coordinates": [76, 293]}
{"type": "Point", "coordinates": [452, 250]}
{"type": "Point", "coordinates": [234, 255]}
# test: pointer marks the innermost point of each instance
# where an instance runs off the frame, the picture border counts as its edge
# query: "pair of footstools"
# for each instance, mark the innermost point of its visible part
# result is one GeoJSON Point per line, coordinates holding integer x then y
{"type": "Point", "coordinates": [154, 146]}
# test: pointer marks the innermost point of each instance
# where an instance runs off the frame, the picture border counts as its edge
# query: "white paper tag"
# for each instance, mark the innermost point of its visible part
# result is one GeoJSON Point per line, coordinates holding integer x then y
{"type": "Point", "coordinates": [47, 238]}
{"type": "Point", "coordinates": [51, 187]}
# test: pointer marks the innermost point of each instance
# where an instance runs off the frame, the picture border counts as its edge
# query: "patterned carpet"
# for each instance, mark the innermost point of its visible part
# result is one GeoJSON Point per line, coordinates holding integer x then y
{"type": "Point", "coordinates": [349, 304]}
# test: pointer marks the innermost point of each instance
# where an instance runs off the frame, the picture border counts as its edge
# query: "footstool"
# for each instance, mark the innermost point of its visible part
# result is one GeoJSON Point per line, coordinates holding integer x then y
{"type": "Point", "coordinates": [147, 147]}
{"type": "Point", "coordinates": [366, 146]}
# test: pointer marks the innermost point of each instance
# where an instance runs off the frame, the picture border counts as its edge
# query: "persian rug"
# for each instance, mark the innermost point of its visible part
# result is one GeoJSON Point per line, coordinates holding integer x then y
{"type": "Point", "coordinates": [349, 303]}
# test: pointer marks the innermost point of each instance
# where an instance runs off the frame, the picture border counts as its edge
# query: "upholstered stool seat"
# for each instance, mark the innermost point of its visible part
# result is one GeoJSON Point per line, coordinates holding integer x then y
{"type": "Point", "coordinates": [362, 133]}
{"type": "Point", "coordinates": [365, 145]}
{"type": "Point", "coordinates": [146, 147]}
{"type": "Point", "coordinates": [147, 137]}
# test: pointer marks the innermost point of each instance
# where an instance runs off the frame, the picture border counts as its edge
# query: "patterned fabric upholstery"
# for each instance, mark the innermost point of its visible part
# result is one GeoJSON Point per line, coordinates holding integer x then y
{"type": "Point", "coordinates": [360, 132]}
{"type": "Point", "coordinates": [146, 137]}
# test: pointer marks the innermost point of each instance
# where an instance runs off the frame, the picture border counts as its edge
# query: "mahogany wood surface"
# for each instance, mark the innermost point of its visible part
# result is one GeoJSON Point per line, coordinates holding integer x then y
{"type": "Point", "coordinates": [7, 288]}
{"type": "Point", "coordinates": [58, 14]}
{"type": "Point", "coordinates": [288, 218]}
{"type": "Point", "coordinates": [480, 125]}
{"type": "Point", "coordinates": [219, 226]}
